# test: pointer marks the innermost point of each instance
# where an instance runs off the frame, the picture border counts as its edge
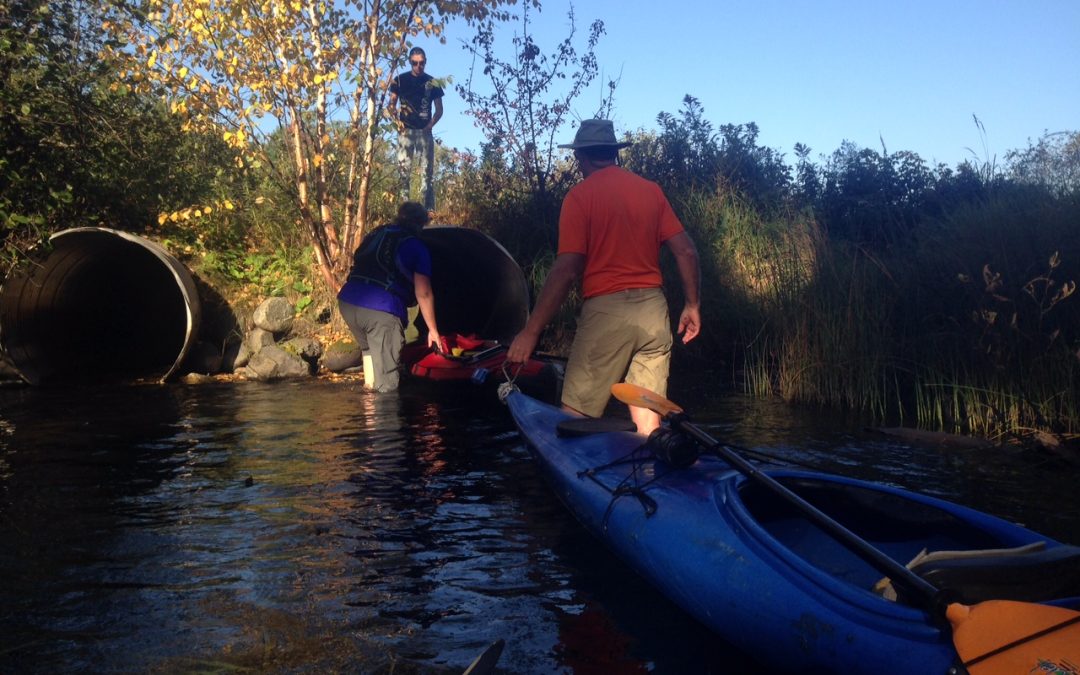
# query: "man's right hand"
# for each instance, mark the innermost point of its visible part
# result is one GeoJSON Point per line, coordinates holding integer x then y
{"type": "Point", "coordinates": [689, 323]}
{"type": "Point", "coordinates": [522, 347]}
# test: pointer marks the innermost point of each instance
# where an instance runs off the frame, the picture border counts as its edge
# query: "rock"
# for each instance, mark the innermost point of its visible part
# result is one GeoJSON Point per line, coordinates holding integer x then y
{"type": "Point", "coordinates": [273, 362]}
{"type": "Point", "coordinates": [338, 360]}
{"type": "Point", "coordinates": [203, 358]}
{"type": "Point", "coordinates": [257, 338]}
{"type": "Point", "coordinates": [196, 378]}
{"type": "Point", "coordinates": [274, 315]}
{"type": "Point", "coordinates": [938, 438]}
{"type": "Point", "coordinates": [8, 371]}
{"type": "Point", "coordinates": [243, 355]}
{"type": "Point", "coordinates": [236, 355]}
{"type": "Point", "coordinates": [306, 348]}
{"type": "Point", "coordinates": [1056, 444]}
{"type": "Point", "coordinates": [303, 326]}
{"type": "Point", "coordinates": [342, 346]}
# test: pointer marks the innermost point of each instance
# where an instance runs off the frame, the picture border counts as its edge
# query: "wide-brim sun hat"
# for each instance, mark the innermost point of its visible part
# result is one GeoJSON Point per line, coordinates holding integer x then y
{"type": "Point", "coordinates": [595, 134]}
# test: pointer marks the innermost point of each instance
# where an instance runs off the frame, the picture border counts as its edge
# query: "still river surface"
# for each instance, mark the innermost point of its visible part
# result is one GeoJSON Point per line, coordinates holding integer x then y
{"type": "Point", "coordinates": [314, 527]}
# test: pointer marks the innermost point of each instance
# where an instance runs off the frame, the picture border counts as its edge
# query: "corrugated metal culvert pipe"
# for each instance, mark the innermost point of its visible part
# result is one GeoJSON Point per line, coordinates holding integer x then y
{"type": "Point", "coordinates": [479, 288]}
{"type": "Point", "coordinates": [102, 305]}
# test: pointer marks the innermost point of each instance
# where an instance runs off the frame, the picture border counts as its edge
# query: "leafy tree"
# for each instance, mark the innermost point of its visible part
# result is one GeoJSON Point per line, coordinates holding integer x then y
{"type": "Point", "coordinates": [531, 97]}
{"type": "Point", "coordinates": [244, 69]}
{"type": "Point", "coordinates": [871, 197]}
{"type": "Point", "coordinates": [807, 176]}
{"type": "Point", "coordinates": [1052, 162]}
{"type": "Point", "coordinates": [685, 155]}
{"type": "Point", "coordinates": [74, 148]}
{"type": "Point", "coordinates": [689, 155]}
{"type": "Point", "coordinates": [956, 187]}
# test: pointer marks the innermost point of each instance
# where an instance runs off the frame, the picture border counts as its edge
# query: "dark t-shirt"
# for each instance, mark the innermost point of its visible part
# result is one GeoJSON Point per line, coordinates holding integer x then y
{"type": "Point", "coordinates": [415, 95]}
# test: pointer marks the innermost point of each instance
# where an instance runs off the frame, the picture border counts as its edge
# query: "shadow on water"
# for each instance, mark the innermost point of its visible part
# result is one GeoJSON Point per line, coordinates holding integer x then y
{"type": "Point", "coordinates": [312, 526]}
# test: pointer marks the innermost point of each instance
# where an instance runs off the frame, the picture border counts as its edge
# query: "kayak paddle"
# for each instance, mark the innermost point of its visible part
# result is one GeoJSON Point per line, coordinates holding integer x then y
{"type": "Point", "coordinates": [993, 637]}
{"type": "Point", "coordinates": [485, 663]}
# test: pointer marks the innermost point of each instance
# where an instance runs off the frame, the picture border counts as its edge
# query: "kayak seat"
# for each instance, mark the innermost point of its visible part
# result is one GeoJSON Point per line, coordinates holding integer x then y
{"type": "Point", "coordinates": [1031, 573]}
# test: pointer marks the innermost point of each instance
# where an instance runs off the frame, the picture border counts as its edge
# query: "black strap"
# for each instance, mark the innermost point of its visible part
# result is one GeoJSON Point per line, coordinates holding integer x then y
{"type": "Point", "coordinates": [625, 488]}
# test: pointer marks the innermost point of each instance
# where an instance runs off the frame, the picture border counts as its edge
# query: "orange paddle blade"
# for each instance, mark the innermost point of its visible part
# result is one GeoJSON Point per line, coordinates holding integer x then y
{"type": "Point", "coordinates": [640, 397]}
{"type": "Point", "coordinates": [1003, 636]}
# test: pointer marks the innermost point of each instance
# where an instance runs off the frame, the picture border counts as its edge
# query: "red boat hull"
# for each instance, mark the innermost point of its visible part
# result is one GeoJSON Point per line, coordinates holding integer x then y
{"type": "Point", "coordinates": [466, 358]}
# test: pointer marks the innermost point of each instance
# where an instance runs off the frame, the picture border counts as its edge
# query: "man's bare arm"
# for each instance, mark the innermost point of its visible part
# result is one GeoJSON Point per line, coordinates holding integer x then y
{"type": "Point", "coordinates": [565, 271]}
{"type": "Point", "coordinates": [686, 259]}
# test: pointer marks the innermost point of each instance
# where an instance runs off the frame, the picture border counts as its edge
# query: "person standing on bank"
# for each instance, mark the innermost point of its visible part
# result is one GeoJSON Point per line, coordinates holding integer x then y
{"type": "Point", "coordinates": [391, 272]}
{"type": "Point", "coordinates": [417, 93]}
{"type": "Point", "coordinates": [611, 228]}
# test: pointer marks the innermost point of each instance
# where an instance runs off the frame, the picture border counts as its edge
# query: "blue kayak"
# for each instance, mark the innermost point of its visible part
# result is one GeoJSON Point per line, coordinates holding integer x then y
{"type": "Point", "coordinates": [758, 573]}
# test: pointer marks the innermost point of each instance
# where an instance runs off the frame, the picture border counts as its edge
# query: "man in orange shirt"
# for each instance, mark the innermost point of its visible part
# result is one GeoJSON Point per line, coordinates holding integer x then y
{"type": "Point", "coordinates": [611, 228]}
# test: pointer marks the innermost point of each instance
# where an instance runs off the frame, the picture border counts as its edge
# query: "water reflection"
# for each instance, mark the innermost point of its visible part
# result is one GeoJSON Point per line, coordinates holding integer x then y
{"type": "Point", "coordinates": [313, 526]}
{"type": "Point", "coordinates": [252, 525]}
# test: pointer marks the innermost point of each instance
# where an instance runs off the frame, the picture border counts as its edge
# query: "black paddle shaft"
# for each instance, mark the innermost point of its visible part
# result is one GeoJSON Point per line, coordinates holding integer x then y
{"type": "Point", "coordinates": [860, 546]}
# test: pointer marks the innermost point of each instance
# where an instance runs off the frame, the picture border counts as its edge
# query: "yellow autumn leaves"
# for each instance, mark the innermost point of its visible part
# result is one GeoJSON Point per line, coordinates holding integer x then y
{"type": "Point", "coordinates": [191, 213]}
{"type": "Point", "coordinates": [235, 139]}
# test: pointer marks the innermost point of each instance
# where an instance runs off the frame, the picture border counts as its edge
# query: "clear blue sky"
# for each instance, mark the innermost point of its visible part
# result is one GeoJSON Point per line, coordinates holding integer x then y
{"type": "Point", "coordinates": [911, 72]}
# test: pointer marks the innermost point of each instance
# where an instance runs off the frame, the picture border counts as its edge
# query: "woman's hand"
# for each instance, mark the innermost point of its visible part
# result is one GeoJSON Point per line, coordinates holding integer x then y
{"type": "Point", "coordinates": [434, 341]}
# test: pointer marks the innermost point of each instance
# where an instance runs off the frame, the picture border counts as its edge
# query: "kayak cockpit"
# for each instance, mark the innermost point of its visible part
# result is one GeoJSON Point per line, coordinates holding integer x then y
{"type": "Point", "coordinates": [1034, 573]}
{"type": "Point", "coordinates": [988, 558]}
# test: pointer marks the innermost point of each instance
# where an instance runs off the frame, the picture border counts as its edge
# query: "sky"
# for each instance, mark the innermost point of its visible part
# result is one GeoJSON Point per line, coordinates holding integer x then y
{"type": "Point", "coordinates": [913, 74]}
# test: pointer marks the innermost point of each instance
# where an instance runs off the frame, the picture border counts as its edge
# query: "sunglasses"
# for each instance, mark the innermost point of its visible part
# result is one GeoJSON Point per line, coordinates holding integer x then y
{"type": "Point", "coordinates": [417, 63]}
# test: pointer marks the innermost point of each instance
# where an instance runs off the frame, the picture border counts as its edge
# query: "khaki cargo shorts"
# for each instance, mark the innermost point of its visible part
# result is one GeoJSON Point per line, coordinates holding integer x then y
{"type": "Point", "coordinates": [620, 336]}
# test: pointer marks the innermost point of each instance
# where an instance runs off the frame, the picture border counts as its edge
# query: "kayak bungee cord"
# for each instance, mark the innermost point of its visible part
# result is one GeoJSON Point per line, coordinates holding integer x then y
{"type": "Point", "coordinates": [624, 489]}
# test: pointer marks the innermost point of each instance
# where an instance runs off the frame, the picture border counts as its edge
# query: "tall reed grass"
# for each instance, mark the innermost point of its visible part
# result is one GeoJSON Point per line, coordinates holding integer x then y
{"type": "Point", "coordinates": [967, 326]}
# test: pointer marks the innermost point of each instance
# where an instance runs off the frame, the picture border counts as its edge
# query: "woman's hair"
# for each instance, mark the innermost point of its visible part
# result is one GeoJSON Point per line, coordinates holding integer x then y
{"type": "Point", "coordinates": [412, 215]}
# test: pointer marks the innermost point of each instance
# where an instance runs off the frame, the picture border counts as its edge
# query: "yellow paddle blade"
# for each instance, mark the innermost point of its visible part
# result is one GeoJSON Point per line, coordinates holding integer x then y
{"type": "Point", "coordinates": [640, 397]}
{"type": "Point", "coordinates": [1000, 637]}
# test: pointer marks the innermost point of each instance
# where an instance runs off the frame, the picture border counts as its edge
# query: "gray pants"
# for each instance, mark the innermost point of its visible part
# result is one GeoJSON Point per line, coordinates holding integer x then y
{"type": "Point", "coordinates": [417, 146]}
{"type": "Point", "coordinates": [381, 336]}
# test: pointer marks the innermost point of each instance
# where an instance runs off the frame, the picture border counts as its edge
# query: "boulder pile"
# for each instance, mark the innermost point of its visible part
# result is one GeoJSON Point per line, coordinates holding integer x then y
{"type": "Point", "coordinates": [270, 349]}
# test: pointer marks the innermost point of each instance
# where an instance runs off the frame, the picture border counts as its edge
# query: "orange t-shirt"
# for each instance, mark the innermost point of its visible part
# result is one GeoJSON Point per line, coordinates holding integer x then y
{"type": "Point", "coordinates": [618, 221]}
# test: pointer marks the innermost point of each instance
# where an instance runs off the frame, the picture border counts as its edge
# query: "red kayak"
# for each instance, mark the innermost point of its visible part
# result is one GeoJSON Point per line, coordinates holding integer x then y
{"type": "Point", "coordinates": [466, 357]}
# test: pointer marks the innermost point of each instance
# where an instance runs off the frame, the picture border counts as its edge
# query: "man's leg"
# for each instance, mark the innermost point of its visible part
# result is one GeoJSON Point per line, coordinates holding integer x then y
{"type": "Point", "coordinates": [646, 420]}
{"type": "Point", "coordinates": [426, 151]}
{"type": "Point", "coordinates": [651, 362]}
{"type": "Point", "coordinates": [603, 346]}
{"type": "Point", "coordinates": [405, 151]}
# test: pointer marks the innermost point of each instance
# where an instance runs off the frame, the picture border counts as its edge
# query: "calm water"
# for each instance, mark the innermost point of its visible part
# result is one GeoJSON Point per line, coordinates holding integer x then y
{"type": "Point", "coordinates": [315, 527]}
